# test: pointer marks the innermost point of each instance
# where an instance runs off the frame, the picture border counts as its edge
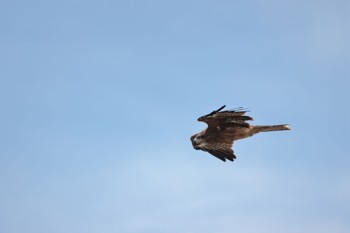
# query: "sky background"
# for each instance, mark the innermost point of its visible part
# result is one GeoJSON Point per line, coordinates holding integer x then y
{"type": "Point", "coordinates": [98, 100]}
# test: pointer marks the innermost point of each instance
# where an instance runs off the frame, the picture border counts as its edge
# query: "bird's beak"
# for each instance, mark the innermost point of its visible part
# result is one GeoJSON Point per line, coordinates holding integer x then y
{"type": "Point", "coordinates": [195, 145]}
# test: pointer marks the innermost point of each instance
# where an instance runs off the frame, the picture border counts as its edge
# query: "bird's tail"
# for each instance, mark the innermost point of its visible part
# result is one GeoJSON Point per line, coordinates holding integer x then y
{"type": "Point", "coordinates": [267, 128]}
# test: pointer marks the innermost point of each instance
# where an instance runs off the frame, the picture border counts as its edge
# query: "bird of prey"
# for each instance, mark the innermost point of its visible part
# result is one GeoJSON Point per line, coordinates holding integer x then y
{"type": "Point", "coordinates": [225, 127]}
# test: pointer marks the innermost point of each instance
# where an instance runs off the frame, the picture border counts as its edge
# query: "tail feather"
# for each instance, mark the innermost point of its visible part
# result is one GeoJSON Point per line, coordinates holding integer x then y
{"type": "Point", "coordinates": [267, 128]}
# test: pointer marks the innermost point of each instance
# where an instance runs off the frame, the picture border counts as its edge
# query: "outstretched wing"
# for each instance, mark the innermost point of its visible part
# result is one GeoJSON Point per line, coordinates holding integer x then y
{"type": "Point", "coordinates": [221, 151]}
{"type": "Point", "coordinates": [225, 119]}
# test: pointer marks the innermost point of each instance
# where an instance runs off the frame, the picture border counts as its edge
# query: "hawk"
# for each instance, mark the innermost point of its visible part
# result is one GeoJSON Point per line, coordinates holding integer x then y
{"type": "Point", "coordinates": [225, 127]}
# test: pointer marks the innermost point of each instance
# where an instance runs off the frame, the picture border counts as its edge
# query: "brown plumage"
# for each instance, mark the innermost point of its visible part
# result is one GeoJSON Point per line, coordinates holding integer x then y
{"type": "Point", "coordinates": [225, 127]}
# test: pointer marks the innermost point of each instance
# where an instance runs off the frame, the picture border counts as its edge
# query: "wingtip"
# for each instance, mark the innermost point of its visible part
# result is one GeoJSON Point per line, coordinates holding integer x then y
{"type": "Point", "coordinates": [222, 107]}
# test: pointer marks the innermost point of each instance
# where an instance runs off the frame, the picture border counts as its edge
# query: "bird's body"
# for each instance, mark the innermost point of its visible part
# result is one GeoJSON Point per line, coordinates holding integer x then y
{"type": "Point", "coordinates": [225, 127]}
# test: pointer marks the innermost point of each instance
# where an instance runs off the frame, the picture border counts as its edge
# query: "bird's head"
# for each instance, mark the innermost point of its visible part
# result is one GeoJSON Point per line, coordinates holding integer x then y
{"type": "Point", "coordinates": [197, 140]}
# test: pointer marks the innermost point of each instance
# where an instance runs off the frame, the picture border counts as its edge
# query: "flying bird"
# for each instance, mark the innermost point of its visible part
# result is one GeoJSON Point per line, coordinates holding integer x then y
{"type": "Point", "coordinates": [225, 127]}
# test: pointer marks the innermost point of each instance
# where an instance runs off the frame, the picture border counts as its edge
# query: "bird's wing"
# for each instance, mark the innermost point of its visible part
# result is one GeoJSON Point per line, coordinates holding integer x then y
{"type": "Point", "coordinates": [227, 118]}
{"type": "Point", "coordinates": [221, 151]}
{"type": "Point", "coordinates": [223, 128]}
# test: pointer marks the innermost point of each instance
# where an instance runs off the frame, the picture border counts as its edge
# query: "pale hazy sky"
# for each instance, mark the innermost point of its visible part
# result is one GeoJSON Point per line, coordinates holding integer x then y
{"type": "Point", "coordinates": [98, 100]}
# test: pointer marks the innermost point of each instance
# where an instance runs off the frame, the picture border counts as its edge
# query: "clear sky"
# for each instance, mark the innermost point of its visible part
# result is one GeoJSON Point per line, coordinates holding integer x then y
{"type": "Point", "coordinates": [98, 100]}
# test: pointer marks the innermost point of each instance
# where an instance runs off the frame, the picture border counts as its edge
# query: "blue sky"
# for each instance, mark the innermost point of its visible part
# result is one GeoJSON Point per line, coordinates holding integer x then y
{"type": "Point", "coordinates": [99, 98]}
